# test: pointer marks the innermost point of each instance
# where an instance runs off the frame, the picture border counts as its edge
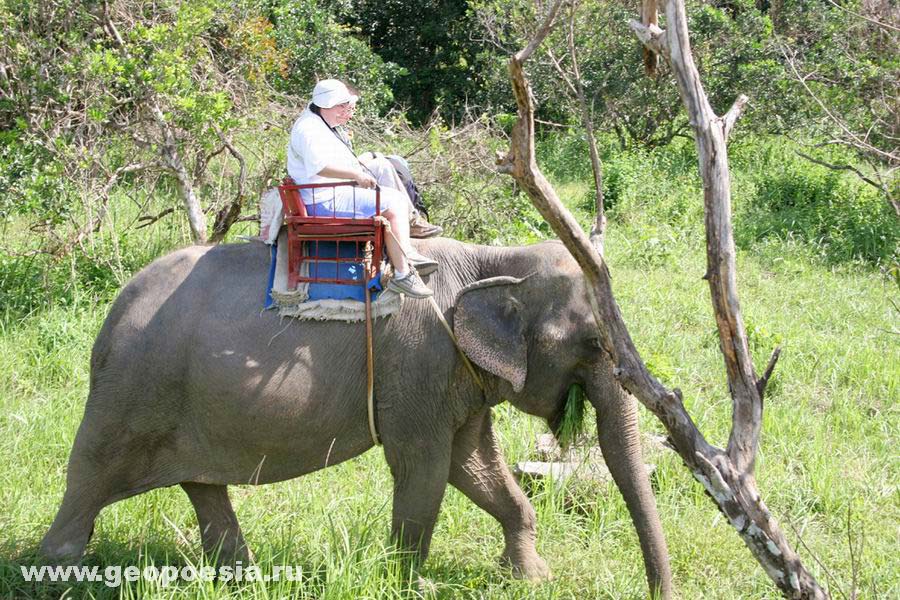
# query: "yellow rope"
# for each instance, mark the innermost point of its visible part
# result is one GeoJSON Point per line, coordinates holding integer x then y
{"type": "Point", "coordinates": [370, 370]}
{"type": "Point", "coordinates": [465, 359]}
{"type": "Point", "coordinates": [370, 359]}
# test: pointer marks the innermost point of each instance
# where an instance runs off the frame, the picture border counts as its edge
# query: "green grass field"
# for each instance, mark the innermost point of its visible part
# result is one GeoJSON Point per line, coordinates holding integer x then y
{"type": "Point", "coordinates": [828, 464]}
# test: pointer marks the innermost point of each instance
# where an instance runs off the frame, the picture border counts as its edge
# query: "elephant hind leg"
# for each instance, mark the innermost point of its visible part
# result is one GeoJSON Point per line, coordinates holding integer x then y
{"type": "Point", "coordinates": [90, 485]}
{"type": "Point", "coordinates": [108, 463]}
{"type": "Point", "coordinates": [73, 526]}
{"type": "Point", "coordinates": [219, 529]}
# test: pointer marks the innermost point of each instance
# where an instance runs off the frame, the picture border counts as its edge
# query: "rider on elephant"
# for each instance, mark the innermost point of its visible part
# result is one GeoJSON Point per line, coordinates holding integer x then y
{"type": "Point", "coordinates": [319, 153]}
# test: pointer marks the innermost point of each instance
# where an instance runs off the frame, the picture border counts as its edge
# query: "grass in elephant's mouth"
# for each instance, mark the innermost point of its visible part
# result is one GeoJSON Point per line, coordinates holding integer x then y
{"type": "Point", "coordinates": [570, 424]}
{"type": "Point", "coordinates": [828, 445]}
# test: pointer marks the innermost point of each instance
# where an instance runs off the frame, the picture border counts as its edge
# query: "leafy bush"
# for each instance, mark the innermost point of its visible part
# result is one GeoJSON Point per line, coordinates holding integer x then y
{"type": "Point", "coordinates": [92, 273]}
{"type": "Point", "coordinates": [789, 197]}
{"type": "Point", "coordinates": [317, 46]}
{"type": "Point", "coordinates": [31, 181]}
{"type": "Point", "coordinates": [776, 195]}
{"type": "Point", "coordinates": [564, 154]}
{"type": "Point", "coordinates": [441, 61]}
{"type": "Point", "coordinates": [22, 285]}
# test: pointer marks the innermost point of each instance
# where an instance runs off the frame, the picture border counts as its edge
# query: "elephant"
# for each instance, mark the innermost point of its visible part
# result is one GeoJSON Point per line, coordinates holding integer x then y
{"type": "Point", "coordinates": [193, 384]}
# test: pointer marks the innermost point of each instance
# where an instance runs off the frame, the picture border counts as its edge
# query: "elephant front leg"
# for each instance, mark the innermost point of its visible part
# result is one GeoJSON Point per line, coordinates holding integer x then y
{"type": "Point", "coordinates": [420, 479]}
{"type": "Point", "coordinates": [479, 471]}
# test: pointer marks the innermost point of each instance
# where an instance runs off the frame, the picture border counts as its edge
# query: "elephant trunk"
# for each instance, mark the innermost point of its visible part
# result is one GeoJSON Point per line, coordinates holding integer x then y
{"type": "Point", "coordinates": [617, 430]}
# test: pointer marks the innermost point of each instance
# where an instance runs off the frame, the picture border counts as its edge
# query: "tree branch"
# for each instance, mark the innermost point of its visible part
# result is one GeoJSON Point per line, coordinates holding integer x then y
{"type": "Point", "coordinates": [542, 32]}
{"type": "Point", "coordinates": [852, 137]}
{"type": "Point", "coordinates": [598, 229]}
{"type": "Point", "coordinates": [877, 185]}
{"type": "Point", "coordinates": [763, 381]}
{"type": "Point", "coordinates": [727, 476]}
{"type": "Point", "coordinates": [651, 36]}
{"type": "Point", "coordinates": [148, 220]}
{"type": "Point", "coordinates": [733, 114]}
{"type": "Point", "coordinates": [168, 146]}
{"type": "Point", "coordinates": [229, 214]}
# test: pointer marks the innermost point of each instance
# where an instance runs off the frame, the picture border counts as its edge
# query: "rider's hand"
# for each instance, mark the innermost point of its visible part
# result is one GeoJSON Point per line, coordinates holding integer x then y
{"type": "Point", "coordinates": [364, 180]}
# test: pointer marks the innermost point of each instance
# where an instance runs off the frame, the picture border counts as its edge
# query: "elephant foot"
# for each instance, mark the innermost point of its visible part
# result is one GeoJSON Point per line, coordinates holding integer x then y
{"type": "Point", "coordinates": [62, 555]}
{"type": "Point", "coordinates": [527, 566]}
{"type": "Point", "coordinates": [231, 555]}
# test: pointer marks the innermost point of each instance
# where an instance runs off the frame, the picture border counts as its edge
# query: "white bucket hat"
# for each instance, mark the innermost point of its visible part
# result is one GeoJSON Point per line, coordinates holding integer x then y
{"type": "Point", "coordinates": [331, 92]}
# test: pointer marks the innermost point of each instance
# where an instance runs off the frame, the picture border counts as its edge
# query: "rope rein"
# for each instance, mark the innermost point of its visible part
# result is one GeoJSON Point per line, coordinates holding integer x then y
{"type": "Point", "coordinates": [370, 356]}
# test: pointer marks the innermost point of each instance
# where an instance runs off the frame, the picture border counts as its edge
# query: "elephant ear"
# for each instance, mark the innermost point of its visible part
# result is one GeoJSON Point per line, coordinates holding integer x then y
{"type": "Point", "coordinates": [489, 326]}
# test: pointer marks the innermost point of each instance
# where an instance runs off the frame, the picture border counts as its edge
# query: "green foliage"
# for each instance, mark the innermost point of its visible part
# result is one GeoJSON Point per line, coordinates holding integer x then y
{"type": "Point", "coordinates": [441, 63]}
{"type": "Point", "coordinates": [88, 91]}
{"type": "Point", "coordinates": [32, 283]}
{"type": "Point", "coordinates": [850, 63]}
{"type": "Point", "coordinates": [776, 194]}
{"type": "Point", "coordinates": [31, 179]}
{"type": "Point", "coordinates": [317, 46]}
{"type": "Point", "coordinates": [785, 196]}
{"type": "Point", "coordinates": [733, 45]}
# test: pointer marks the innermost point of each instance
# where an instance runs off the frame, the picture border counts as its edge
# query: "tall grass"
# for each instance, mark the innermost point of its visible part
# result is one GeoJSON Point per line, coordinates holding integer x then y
{"type": "Point", "coordinates": [828, 444]}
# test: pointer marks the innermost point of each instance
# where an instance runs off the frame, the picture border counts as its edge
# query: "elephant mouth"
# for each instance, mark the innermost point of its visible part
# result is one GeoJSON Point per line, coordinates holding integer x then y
{"type": "Point", "coordinates": [567, 423]}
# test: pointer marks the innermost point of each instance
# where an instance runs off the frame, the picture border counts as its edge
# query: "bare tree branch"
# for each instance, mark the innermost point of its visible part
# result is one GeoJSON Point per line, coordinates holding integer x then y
{"type": "Point", "coordinates": [770, 368]}
{"type": "Point", "coordinates": [229, 214]}
{"type": "Point", "coordinates": [733, 114]}
{"type": "Point", "coordinates": [852, 137]}
{"type": "Point", "coordinates": [726, 475]}
{"type": "Point", "coordinates": [542, 32]}
{"type": "Point", "coordinates": [875, 22]}
{"type": "Point", "coordinates": [881, 187]}
{"type": "Point", "coordinates": [148, 220]}
{"type": "Point", "coordinates": [650, 18]}
{"type": "Point", "coordinates": [598, 229]}
{"type": "Point", "coordinates": [168, 147]}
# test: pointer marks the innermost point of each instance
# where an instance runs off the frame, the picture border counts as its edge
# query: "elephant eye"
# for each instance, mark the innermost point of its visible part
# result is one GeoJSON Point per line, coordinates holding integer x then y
{"type": "Point", "coordinates": [595, 342]}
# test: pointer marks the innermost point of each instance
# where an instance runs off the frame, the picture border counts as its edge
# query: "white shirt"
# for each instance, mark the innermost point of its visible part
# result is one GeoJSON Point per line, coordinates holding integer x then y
{"type": "Point", "coordinates": [312, 147]}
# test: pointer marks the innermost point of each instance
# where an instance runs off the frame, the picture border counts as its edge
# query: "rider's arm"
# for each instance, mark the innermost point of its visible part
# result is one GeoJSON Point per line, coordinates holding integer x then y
{"type": "Point", "coordinates": [361, 178]}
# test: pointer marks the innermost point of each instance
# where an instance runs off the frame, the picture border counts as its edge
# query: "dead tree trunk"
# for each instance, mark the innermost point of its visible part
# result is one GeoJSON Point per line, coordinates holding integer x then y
{"type": "Point", "coordinates": [229, 214]}
{"type": "Point", "coordinates": [171, 158]}
{"type": "Point", "coordinates": [727, 475]}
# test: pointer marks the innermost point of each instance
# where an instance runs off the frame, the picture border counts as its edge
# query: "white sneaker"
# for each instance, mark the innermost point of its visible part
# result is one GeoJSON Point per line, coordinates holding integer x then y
{"type": "Point", "coordinates": [411, 285]}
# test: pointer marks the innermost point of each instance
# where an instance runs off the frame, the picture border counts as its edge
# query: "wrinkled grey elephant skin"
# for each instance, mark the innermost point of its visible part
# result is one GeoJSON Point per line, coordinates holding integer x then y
{"type": "Point", "coordinates": [192, 384]}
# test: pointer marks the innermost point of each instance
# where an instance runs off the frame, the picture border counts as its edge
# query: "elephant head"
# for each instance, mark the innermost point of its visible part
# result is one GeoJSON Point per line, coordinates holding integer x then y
{"type": "Point", "coordinates": [537, 337]}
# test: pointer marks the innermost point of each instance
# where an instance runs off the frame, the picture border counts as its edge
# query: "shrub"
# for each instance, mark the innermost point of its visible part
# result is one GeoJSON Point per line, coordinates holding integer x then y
{"type": "Point", "coordinates": [789, 197]}
{"type": "Point", "coordinates": [316, 46]}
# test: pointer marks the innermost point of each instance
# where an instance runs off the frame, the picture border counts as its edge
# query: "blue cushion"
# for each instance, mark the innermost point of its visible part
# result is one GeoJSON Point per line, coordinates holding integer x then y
{"type": "Point", "coordinates": [331, 270]}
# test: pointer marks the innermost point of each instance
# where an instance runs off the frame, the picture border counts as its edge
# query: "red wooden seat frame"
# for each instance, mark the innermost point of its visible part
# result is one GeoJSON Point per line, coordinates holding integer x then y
{"type": "Point", "coordinates": [305, 231]}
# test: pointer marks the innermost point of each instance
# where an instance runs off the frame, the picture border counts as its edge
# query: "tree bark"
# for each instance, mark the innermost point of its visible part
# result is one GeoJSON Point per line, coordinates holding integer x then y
{"type": "Point", "coordinates": [171, 158]}
{"type": "Point", "coordinates": [229, 215]}
{"type": "Point", "coordinates": [727, 475]}
{"type": "Point", "coordinates": [649, 17]}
